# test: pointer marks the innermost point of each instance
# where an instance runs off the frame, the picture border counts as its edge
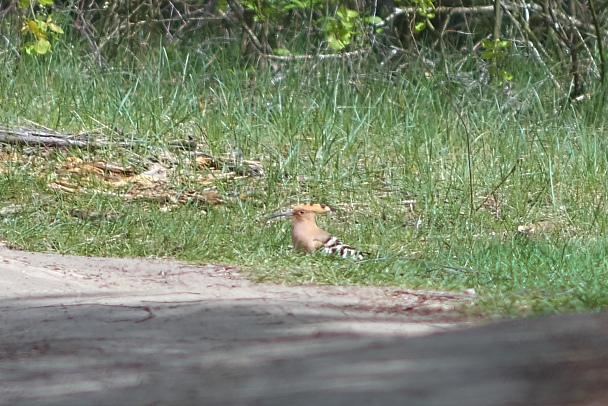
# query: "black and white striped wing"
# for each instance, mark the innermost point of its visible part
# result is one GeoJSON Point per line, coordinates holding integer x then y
{"type": "Point", "coordinates": [334, 246]}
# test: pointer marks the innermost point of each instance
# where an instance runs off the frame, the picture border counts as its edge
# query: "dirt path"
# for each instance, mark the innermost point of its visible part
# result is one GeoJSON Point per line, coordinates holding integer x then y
{"type": "Point", "coordinates": [91, 331]}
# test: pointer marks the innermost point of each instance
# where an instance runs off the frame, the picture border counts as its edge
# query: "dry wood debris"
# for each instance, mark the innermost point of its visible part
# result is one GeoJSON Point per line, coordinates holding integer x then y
{"type": "Point", "coordinates": [169, 177]}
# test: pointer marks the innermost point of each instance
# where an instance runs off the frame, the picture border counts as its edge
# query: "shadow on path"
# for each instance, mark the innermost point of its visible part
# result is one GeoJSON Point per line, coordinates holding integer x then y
{"type": "Point", "coordinates": [79, 331]}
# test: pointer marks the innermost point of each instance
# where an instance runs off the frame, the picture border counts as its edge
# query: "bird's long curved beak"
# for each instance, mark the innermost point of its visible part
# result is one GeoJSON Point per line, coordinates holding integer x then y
{"type": "Point", "coordinates": [285, 213]}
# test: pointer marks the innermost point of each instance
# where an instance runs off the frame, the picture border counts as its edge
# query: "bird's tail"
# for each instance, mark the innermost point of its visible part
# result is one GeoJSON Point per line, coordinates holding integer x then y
{"type": "Point", "coordinates": [334, 246]}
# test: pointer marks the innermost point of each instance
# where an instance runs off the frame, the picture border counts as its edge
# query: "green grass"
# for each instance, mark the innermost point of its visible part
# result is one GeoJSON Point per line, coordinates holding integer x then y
{"type": "Point", "coordinates": [330, 133]}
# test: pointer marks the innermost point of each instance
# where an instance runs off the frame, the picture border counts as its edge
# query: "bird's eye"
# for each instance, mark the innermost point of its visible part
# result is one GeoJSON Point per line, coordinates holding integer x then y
{"type": "Point", "coordinates": [301, 211]}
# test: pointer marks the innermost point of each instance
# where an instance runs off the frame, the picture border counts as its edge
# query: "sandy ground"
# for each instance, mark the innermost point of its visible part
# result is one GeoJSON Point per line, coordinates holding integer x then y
{"type": "Point", "coordinates": [100, 331]}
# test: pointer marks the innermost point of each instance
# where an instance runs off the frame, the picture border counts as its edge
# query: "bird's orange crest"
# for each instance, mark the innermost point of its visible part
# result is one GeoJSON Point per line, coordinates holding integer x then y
{"type": "Point", "coordinates": [313, 208]}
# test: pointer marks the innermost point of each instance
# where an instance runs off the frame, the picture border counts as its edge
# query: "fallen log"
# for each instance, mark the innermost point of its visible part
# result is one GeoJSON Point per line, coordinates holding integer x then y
{"type": "Point", "coordinates": [23, 136]}
{"type": "Point", "coordinates": [51, 139]}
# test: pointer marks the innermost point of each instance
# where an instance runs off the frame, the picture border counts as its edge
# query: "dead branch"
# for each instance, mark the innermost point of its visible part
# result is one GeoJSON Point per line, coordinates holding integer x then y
{"type": "Point", "coordinates": [320, 57]}
{"type": "Point", "coordinates": [85, 29]}
{"type": "Point", "coordinates": [24, 136]}
{"type": "Point", "coordinates": [488, 10]}
{"type": "Point", "coordinates": [535, 47]}
{"type": "Point", "coordinates": [52, 139]}
{"type": "Point", "coordinates": [33, 137]}
{"type": "Point", "coordinates": [239, 13]}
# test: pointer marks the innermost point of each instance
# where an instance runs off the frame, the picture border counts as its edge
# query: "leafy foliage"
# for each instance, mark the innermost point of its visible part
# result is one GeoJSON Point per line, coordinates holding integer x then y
{"type": "Point", "coordinates": [38, 28]}
{"type": "Point", "coordinates": [496, 51]}
{"type": "Point", "coordinates": [426, 10]}
{"type": "Point", "coordinates": [341, 28]}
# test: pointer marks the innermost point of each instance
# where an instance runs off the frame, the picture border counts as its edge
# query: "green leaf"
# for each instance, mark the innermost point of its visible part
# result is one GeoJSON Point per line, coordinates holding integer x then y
{"type": "Point", "coordinates": [487, 44]}
{"type": "Point", "coordinates": [42, 46]}
{"type": "Point", "coordinates": [344, 34]}
{"type": "Point", "coordinates": [45, 2]}
{"type": "Point", "coordinates": [250, 5]}
{"type": "Point", "coordinates": [347, 24]}
{"type": "Point", "coordinates": [373, 20]}
{"type": "Point", "coordinates": [222, 5]}
{"type": "Point", "coordinates": [24, 4]}
{"type": "Point", "coordinates": [29, 48]}
{"type": "Point", "coordinates": [488, 54]}
{"type": "Point", "coordinates": [34, 27]}
{"type": "Point", "coordinates": [282, 51]}
{"type": "Point", "coordinates": [351, 13]}
{"type": "Point", "coordinates": [328, 23]}
{"type": "Point", "coordinates": [506, 75]}
{"type": "Point", "coordinates": [418, 27]}
{"type": "Point", "coordinates": [335, 43]}
{"type": "Point", "coordinates": [504, 44]}
{"type": "Point", "coordinates": [55, 28]}
{"type": "Point", "coordinates": [294, 4]}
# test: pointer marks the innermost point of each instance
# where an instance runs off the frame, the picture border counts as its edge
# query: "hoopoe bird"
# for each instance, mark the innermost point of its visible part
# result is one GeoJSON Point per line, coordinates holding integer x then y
{"type": "Point", "coordinates": [307, 236]}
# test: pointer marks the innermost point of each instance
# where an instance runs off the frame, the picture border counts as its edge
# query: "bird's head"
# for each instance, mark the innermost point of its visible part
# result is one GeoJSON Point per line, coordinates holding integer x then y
{"type": "Point", "coordinates": [304, 211]}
